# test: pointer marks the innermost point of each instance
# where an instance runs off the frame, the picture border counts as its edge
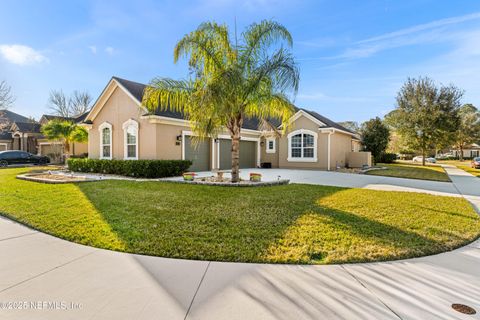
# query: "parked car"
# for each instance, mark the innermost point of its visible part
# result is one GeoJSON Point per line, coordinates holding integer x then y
{"type": "Point", "coordinates": [475, 163]}
{"type": "Point", "coordinates": [420, 158]}
{"type": "Point", "coordinates": [21, 157]}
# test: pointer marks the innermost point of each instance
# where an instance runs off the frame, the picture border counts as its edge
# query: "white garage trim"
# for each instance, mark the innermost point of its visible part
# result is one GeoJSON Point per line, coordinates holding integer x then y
{"type": "Point", "coordinates": [5, 145]}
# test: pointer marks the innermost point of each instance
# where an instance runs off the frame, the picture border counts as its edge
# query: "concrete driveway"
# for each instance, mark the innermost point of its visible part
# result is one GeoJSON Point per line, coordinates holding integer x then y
{"type": "Point", "coordinates": [43, 277]}
{"type": "Point", "coordinates": [349, 180]}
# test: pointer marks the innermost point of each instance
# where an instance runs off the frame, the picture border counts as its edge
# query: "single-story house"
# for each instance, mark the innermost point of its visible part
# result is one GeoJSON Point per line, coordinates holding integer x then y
{"type": "Point", "coordinates": [121, 128]}
{"type": "Point", "coordinates": [25, 134]}
{"type": "Point", "coordinates": [469, 151]}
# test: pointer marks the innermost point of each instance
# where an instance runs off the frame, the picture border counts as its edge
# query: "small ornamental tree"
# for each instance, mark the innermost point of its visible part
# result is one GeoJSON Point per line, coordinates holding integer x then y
{"type": "Point", "coordinates": [66, 131]}
{"type": "Point", "coordinates": [375, 136]}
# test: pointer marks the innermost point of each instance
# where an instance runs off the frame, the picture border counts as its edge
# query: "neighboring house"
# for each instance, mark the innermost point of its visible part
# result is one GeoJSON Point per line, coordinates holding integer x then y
{"type": "Point", "coordinates": [25, 134]}
{"type": "Point", "coordinates": [469, 151]}
{"type": "Point", "coordinates": [7, 140]}
{"type": "Point", "coordinates": [120, 128]}
{"type": "Point", "coordinates": [55, 149]}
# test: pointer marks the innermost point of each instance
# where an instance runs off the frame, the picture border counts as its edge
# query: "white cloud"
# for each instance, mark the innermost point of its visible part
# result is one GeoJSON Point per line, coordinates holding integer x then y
{"type": "Point", "coordinates": [93, 49]}
{"type": "Point", "coordinates": [21, 55]}
{"type": "Point", "coordinates": [424, 27]}
{"type": "Point", "coordinates": [110, 50]}
{"type": "Point", "coordinates": [432, 32]}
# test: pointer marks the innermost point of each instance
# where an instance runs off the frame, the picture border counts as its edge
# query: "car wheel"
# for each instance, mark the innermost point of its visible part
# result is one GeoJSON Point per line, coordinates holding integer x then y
{"type": "Point", "coordinates": [3, 163]}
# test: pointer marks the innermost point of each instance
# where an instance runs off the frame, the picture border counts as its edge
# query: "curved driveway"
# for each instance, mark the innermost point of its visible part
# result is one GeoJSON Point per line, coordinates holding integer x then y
{"type": "Point", "coordinates": [43, 277]}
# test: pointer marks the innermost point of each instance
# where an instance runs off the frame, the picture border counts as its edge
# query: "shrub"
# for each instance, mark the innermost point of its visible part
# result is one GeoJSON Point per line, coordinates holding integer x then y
{"type": "Point", "coordinates": [132, 168]}
{"type": "Point", "coordinates": [387, 157]}
{"type": "Point", "coordinates": [79, 156]}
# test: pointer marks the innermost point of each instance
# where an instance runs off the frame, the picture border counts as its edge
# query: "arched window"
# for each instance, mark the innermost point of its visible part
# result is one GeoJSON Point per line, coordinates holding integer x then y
{"type": "Point", "coordinates": [105, 140]}
{"type": "Point", "coordinates": [130, 129]}
{"type": "Point", "coordinates": [302, 146]}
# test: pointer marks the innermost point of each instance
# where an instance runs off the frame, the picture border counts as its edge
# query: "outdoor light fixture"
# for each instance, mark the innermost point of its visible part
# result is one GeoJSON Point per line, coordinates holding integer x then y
{"type": "Point", "coordinates": [179, 138]}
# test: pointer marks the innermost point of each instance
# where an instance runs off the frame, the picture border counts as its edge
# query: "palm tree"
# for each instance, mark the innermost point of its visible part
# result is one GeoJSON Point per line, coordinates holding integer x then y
{"type": "Point", "coordinates": [254, 76]}
{"type": "Point", "coordinates": [66, 131]}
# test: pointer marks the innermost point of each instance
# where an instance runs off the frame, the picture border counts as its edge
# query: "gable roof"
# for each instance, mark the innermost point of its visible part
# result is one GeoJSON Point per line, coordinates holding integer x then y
{"type": "Point", "coordinates": [77, 119]}
{"type": "Point", "coordinates": [136, 89]}
{"type": "Point", "coordinates": [31, 127]}
{"type": "Point", "coordinates": [328, 123]}
{"type": "Point", "coordinates": [12, 116]}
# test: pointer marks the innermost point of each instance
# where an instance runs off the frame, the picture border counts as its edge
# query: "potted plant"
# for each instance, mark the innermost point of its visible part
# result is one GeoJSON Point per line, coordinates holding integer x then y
{"type": "Point", "coordinates": [255, 177]}
{"type": "Point", "coordinates": [189, 176]}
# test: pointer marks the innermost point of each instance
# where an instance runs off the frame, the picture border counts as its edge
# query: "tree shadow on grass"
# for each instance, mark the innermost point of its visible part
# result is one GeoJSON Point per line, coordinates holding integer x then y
{"type": "Point", "coordinates": [283, 224]}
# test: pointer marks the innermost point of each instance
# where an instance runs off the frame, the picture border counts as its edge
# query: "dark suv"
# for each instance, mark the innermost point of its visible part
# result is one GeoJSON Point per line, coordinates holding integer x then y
{"type": "Point", "coordinates": [21, 157]}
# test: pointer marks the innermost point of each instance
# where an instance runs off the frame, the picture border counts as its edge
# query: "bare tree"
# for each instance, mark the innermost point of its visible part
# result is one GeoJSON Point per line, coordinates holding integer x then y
{"type": "Point", "coordinates": [6, 100]}
{"type": "Point", "coordinates": [58, 103]}
{"type": "Point", "coordinates": [77, 104]}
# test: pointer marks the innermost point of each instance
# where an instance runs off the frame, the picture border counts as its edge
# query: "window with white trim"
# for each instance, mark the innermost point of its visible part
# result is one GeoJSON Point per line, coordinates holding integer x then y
{"type": "Point", "coordinates": [270, 145]}
{"type": "Point", "coordinates": [302, 146]}
{"type": "Point", "coordinates": [130, 129]}
{"type": "Point", "coordinates": [105, 140]}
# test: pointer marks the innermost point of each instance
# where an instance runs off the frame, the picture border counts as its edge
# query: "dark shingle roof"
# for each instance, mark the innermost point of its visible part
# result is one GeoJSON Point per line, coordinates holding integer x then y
{"type": "Point", "coordinates": [12, 116]}
{"type": "Point", "coordinates": [32, 127]}
{"type": "Point", "coordinates": [136, 89]}
{"type": "Point", "coordinates": [5, 135]}
{"type": "Point", "coordinates": [329, 123]}
{"type": "Point", "coordinates": [78, 119]}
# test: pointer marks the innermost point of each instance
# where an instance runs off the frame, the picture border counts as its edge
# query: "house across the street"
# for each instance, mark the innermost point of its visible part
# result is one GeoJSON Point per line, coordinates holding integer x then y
{"type": "Point", "coordinates": [24, 134]}
{"type": "Point", "coordinates": [120, 128]}
{"type": "Point", "coordinates": [469, 151]}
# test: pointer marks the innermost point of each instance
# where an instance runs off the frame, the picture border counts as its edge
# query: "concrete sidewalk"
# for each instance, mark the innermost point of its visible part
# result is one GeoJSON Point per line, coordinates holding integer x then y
{"type": "Point", "coordinates": [466, 184]}
{"type": "Point", "coordinates": [71, 281]}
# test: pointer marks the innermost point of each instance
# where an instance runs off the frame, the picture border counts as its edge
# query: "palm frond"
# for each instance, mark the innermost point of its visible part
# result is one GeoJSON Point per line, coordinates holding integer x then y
{"type": "Point", "coordinates": [167, 94]}
{"type": "Point", "coordinates": [259, 37]}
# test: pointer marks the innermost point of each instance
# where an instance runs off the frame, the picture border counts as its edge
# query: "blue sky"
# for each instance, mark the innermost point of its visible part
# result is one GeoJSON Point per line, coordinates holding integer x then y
{"type": "Point", "coordinates": [353, 55]}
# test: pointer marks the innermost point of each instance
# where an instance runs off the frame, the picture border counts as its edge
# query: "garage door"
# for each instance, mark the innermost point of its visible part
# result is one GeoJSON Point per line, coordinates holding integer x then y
{"type": "Point", "coordinates": [247, 154]}
{"type": "Point", "coordinates": [198, 153]}
{"type": "Point", "coordinates": [3, 147]}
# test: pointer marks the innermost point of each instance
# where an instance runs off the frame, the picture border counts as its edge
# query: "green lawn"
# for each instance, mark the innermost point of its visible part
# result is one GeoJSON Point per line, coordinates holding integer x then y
{"type": "Point", "coordinates": [282, 224]}
{"type": "Point", "coordinates": [464, 165]}
{"type": "Point", "coordinates": [411, 171]}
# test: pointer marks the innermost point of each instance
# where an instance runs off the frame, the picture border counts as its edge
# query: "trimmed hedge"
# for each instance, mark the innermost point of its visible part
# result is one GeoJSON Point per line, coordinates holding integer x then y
{"type": "Point", "coordinates": [387, 158]}
{"type": "Point", "coordinates": [132, 168]}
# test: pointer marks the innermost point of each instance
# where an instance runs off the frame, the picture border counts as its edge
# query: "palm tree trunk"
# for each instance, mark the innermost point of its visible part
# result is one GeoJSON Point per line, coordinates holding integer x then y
{"type": "Point", "coordinates": [236, 155]}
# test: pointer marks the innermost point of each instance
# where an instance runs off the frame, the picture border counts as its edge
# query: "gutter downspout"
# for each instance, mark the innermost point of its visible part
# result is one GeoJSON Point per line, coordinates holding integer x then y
{"type": "Point", "coordinates": [329, 151]}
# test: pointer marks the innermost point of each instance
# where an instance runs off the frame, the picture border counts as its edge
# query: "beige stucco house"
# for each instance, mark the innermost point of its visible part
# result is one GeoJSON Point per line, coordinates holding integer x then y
{"type": "Point", "coordinates": [120, 128]}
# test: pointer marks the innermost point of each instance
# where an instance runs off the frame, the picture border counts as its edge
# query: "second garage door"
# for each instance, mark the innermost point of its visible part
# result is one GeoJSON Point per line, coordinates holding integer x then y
{"type": "Point", "coordinates": [247, 154]}
{"type": "Point", "coordinates": [198, 153]}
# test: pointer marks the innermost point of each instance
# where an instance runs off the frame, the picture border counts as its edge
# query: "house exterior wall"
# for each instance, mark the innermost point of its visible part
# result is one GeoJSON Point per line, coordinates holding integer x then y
{"type": "Point", "coordinates": [117, 110]}
{"type": "Point", "coordinates": [340, 145]}
{"type": "Point", "coordinates": [269, 157]}
{"type": "Point", "coordinates": [359, 159]}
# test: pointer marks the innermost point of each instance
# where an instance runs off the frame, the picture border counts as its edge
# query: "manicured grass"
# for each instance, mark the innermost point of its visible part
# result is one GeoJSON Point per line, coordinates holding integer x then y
{"type": "Point", "coordinates": [283, 224]}
{"type": "Point", "coordinates": [464, 165]}
{"type": "Point", "coordinates": [412, 171]}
